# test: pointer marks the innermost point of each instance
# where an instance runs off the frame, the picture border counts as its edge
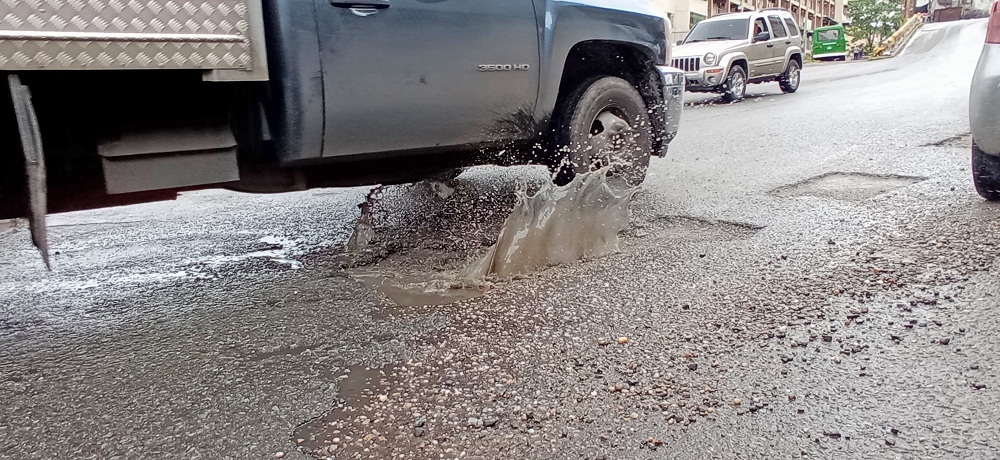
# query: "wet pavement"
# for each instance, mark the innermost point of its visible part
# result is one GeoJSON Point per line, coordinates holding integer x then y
{"type": "Point", "coordinates": [806, 275]}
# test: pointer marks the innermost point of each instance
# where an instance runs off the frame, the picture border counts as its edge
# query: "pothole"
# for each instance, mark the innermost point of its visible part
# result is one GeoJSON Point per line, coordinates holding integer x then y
{"type": "Point", "coordinates": [690, 228]}
{"type": "Point", "coordinates": [847, 186]}
{"type": "Point", "coordinates": [420, 277]}
{"type": "Point", "coordinates": [962, 141]}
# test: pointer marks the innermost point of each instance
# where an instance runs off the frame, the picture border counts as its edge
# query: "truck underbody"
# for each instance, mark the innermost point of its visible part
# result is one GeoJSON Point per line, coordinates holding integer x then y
{"type": "Point", "coordinates": [141, 115]}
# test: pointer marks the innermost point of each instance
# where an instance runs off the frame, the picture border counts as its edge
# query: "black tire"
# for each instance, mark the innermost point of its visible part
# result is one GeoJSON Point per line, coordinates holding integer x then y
{"type": "Point", "coordinates": [790, 80]}
{"type": "Point", "coordinates": [580, 131]}
{"type": "Point", "coordinates": [735, 86]}
{"type": "Point", "coordinates": [986, 174]}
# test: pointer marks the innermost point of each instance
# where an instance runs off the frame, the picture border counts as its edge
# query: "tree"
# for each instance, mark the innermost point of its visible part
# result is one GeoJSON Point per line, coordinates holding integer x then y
{"type": "Point", "coordinates": [874, 20]}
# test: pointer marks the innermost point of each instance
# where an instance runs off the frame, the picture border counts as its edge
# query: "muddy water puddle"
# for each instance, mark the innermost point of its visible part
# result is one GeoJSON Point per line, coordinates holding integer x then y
{"type": "Point", "coordinates": [360, 388]}
{"type": "Point", "coordinates": [554, 225]}
{"type": "Point", "coordinates": [420, 277]}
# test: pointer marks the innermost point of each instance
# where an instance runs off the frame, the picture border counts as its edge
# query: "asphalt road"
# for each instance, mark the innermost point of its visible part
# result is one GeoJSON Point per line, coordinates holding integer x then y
{"type": "Point", "coordinates": [804, 275]}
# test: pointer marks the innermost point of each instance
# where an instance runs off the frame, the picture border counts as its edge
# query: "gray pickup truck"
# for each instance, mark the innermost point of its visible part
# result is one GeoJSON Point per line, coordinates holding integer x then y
{"type": "Point", "coordinates": [123, 101]}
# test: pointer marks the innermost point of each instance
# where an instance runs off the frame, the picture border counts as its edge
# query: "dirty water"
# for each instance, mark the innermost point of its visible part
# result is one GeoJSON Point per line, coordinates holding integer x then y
{"type": "Point", "coordinates": [358, 389]}
{"type": "Point", "coordinates": [364, 230]}
{"type": "Point", "coordinates": [420, 277]}
{"type": "Point", "coordinates": [555, 225]}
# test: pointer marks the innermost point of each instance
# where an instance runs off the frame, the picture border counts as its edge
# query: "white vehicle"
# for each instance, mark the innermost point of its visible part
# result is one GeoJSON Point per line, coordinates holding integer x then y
{"type": "Point", "coordinates": [984, 113]}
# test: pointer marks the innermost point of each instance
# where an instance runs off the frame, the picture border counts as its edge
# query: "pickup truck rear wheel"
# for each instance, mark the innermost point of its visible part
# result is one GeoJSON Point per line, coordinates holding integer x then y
{"type": "Point", "coordinates": [603, 123]}
{"type": "Point", "coordinates": [735, 86]}
{"type": "Point", "coordinates": [986, 173]}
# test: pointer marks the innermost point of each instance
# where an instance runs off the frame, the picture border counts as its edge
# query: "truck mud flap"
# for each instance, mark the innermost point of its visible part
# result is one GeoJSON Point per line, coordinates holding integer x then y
{"type": "Point", "coordinates": [34, 163]}
{"type": "Point", "coordinates": [194, 153]}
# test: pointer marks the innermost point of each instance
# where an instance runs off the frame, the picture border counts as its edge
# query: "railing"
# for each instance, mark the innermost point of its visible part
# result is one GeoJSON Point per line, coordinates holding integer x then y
{"type": "Point", "coordinates": [900, 35]}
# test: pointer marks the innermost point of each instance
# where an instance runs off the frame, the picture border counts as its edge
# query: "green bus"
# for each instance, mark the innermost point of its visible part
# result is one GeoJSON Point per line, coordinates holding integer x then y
{"type": "Point", "coordinates": [830, 43]}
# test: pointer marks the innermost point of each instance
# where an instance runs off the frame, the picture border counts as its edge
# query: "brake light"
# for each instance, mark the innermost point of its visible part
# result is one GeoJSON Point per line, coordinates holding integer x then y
{"type": "Point", "coordinates": [993, 29]}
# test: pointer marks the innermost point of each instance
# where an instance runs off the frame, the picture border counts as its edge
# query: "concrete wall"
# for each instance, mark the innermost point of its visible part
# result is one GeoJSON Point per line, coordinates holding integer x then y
{"type": "Point", "coordinates": [979, 8]}
{"type": "Point", "coordinates": [840, 11]}
{"type": "Point", "coordinates": [699, 6]}
{"type": "Point", "coordinates": [951, 10]}
{"type": "Point", "coordinates": [680, 14]}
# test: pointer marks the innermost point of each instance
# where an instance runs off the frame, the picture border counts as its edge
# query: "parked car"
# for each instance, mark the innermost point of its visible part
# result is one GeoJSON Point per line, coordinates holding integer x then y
{"type": "Point", "coordinates": [984, 113]}
{"type": "Point", "coordinates": [725, 53]}
{"type": "Point", "coordinates": [829, 43]}
{"type": "Point", "coordinates": [133, 104]}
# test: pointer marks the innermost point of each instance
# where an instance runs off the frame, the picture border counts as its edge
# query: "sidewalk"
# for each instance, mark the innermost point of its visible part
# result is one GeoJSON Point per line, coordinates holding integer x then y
{"type": "Point", "coordinates": [821, 63]}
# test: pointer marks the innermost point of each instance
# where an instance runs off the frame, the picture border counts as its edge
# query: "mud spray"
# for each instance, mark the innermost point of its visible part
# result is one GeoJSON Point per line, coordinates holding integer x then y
{"type": "Point", "coordinates": [364, 230]}
{"type": "Point", "coordinates": [553, 226]}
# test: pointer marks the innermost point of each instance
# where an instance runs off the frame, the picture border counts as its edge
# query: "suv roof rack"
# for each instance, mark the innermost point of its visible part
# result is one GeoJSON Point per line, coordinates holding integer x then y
{"type": "Point", "coordinates": [774, 8]}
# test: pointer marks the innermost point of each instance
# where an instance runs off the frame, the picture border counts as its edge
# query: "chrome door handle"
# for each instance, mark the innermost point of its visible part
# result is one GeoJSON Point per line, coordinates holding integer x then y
{"type": "Point", "coordinates": [363, 4]}
{"type": "Point", "coordinates": [363, 8]}
{"type": "Point", "coordinates": [363, 12]}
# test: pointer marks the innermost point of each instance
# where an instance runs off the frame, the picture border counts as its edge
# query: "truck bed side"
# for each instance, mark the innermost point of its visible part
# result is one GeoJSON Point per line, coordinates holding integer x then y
{"type": "Point", "coordinates": [214, 35]}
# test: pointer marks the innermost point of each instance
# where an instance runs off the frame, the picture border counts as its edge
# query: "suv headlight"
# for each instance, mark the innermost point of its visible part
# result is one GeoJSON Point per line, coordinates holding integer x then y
{"type": "Point", "coordinates": [710, 59]}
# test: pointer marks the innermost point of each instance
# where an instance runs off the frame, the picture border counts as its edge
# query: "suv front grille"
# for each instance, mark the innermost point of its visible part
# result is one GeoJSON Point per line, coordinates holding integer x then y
{"type": "Point", "coordinates": [687, 64]}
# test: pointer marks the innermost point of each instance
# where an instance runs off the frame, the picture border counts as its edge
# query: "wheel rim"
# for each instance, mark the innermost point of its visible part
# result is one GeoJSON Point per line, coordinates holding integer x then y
{"type": "Point", "coordinates": [793, 76]}
{"type": "Point", "coordinates": [737, 85]}
{"type": "Point", "coordinates": [611, 142]}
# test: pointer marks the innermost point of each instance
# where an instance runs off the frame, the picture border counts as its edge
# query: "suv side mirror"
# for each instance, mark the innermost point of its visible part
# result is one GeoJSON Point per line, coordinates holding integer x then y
{"type": "Point", "coordinates": [761, 37]}
{"type": "Point", "coordinates": [680, 42]}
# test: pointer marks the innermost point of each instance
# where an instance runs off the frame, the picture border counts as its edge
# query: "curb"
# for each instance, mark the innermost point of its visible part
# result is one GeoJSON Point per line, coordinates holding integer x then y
{"type": "Point", "coordinates": [898, 42]}
{"type": "Point", "coordinates": [7, 225]}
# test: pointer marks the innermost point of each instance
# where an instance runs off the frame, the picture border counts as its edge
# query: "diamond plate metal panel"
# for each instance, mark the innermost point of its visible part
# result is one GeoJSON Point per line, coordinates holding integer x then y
{"type": "Point", "coordinates": [124, 34]}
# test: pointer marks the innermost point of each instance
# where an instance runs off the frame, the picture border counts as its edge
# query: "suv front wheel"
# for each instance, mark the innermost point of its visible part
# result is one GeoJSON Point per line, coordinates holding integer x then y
{"type": "Point", "coordinates": [735, 86]}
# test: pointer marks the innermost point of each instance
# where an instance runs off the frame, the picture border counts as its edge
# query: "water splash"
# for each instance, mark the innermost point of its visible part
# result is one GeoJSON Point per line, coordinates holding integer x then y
{"type": "Point", "coordinates": [364, 230]}
{"type": "Point", "coordinates": [555, 225]}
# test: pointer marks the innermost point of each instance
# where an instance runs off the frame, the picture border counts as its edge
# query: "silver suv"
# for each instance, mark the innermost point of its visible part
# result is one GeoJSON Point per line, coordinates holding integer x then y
{"type": "Point", "coordinates": [725, 53]}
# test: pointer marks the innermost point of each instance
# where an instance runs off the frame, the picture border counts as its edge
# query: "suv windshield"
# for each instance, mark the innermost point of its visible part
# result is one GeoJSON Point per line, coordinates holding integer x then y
{"type": "Point", "coordinates": [726, 29]}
